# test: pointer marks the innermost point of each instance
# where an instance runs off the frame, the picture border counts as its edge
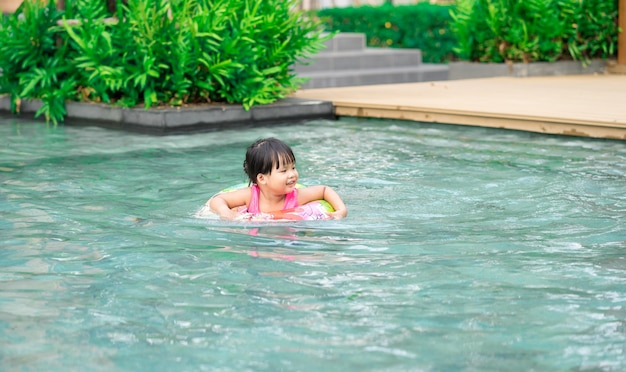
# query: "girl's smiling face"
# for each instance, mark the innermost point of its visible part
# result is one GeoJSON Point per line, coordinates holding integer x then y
{"type": "Point", "coordinates": [282, 179]}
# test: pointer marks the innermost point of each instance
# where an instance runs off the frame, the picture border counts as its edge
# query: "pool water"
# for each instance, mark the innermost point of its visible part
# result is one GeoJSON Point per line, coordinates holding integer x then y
{"type": "Point", "coordinates": [464, 249]}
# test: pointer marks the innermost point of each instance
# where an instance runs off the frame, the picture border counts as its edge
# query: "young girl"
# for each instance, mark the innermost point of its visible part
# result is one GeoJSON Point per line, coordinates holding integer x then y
{"type": "Point", "coordinates": [271, 169]}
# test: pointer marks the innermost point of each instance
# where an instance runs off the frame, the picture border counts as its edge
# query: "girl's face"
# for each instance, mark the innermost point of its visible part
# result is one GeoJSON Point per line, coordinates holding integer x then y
{"type": "Point", "coordinates": [281, 180]}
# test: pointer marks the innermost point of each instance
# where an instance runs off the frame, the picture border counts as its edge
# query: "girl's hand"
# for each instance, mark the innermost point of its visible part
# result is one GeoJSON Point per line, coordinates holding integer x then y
{"type": "Point", "coordinates": [231, 215]}
{"type": "Point", "coordinates": [337, 215]}
{"type": "Point", "coordinates": [318, 192]}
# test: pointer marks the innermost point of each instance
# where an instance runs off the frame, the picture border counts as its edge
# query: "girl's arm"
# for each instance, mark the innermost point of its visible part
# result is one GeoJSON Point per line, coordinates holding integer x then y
{"type": "Point", "coordinates": [308, 194]}
{"type": "Point", "coordinates": [223, 203]}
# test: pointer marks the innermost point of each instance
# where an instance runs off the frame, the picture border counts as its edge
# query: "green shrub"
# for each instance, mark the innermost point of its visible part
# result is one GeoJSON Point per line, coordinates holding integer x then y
{"type": "Point", "coordinates": [423, 26]}
{"type": "Point", "coordinates": [154, 52]}
{"type": "Point", "coordinates": [31, 62]}
{"type": "Point", "coordinates": [535, 30]}
{"type": "Point", "coordinates": [595, 31]}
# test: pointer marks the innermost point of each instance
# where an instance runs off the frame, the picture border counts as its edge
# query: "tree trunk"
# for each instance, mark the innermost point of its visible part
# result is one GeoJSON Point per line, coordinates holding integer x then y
{"type": "Point", "coordinates": [621, 38]}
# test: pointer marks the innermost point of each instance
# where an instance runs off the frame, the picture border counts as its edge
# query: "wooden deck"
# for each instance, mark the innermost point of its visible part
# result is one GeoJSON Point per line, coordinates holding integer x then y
{"type": "Point", "coordinates": [580, 105]}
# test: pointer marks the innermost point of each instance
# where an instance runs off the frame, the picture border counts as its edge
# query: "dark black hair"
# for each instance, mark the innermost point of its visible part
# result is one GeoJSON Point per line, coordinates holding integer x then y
{"type": "Point", "coordinates": [265, 154]}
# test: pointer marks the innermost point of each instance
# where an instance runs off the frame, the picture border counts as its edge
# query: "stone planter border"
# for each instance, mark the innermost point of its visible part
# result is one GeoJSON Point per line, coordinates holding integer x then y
{"type": "Point", "coordinates": [184, 119]}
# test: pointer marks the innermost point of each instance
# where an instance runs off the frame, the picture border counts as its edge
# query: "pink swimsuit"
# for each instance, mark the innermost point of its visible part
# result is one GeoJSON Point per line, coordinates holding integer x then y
{"type": "Point", "coordinates": [291, 200]}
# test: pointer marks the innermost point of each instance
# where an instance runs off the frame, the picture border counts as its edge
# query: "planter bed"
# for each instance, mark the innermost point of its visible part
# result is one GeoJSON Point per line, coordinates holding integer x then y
{"type": "Point", "coordinates": [474, 70]}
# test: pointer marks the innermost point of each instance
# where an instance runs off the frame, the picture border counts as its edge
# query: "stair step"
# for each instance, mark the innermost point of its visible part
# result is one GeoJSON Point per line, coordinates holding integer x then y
{"type": "Point", "coordinates": [345, 41]}
{"type": "Point", "coordinates": [364, 59]}
{"type": "Point", "coordinates": [346, 61]}
{"type": "Point", "coordinates": [393, 75]}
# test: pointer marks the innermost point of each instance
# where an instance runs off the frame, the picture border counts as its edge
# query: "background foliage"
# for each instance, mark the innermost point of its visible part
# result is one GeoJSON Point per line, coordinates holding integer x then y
{"type": "Point", "coordinates": [487, 30]}
{"type": "Point", "coordinates": [153, 52]}
{"type": "Point", "coordinates": [423, 26]}
{"type": "Point", "coordinates": [535, 30]}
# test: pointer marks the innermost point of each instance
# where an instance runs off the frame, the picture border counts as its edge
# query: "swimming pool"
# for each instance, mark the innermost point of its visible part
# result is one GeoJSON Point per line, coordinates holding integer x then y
{"type": "Point", "coordinates": [464, 249]}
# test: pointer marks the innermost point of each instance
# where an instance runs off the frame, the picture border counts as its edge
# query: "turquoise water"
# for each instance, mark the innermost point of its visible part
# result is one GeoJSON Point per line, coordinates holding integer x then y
{"type": "Point", "coordinates": [464, 249]}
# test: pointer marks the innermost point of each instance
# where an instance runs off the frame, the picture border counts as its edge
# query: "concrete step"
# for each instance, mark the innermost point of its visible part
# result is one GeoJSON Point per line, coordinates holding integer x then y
{"type": "Point", "coordinates": [345, 41]}
{"type": "Point", "coordinates": [389, 75]}
{"type": "Point", "coordinates": [346, 61]}
{"type": "Point", "coordinates": [367, 58]}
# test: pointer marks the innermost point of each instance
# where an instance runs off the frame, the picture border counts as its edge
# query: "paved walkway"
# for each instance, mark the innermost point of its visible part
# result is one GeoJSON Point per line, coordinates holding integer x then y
{"type": "Point", "coordinates": [580, 105]}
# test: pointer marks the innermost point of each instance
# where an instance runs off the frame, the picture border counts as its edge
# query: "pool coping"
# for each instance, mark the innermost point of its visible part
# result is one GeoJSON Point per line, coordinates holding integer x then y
{"type": "Point", "coordinates": [184, 119]}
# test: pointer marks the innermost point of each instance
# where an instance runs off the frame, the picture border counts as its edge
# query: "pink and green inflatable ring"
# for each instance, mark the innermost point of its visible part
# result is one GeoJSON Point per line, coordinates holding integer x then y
{"type": "Point", "coordinates": [315, 210]}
